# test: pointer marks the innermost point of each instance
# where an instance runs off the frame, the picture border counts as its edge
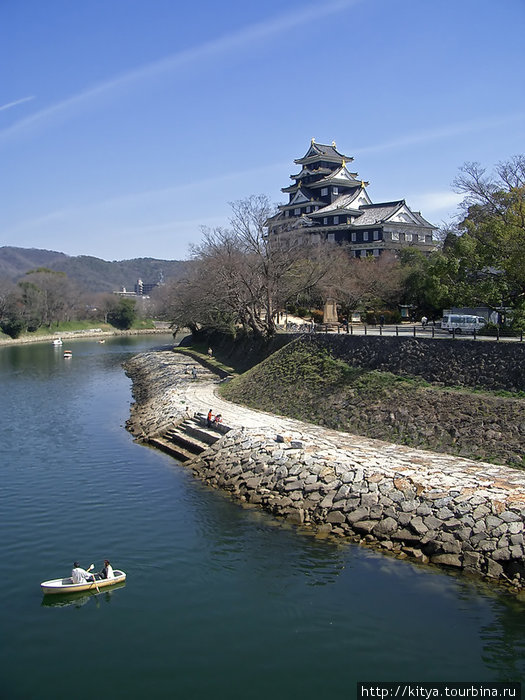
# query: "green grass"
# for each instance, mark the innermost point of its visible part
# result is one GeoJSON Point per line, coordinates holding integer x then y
{"type": "Point", "coordinates": [69, 327]}
{"type": "Point", "coordinates": [200, 353]}
{"type": "Point", "coordinates": [72, 326]}
{"type": "Point", "coordinates": [303, 383]}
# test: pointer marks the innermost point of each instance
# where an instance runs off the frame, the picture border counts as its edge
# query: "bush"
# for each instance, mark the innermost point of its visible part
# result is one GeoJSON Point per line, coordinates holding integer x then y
{"type": "Point", "coordinates": [123, 315]}
{"type": "Point", "coordinates": [13, 327]}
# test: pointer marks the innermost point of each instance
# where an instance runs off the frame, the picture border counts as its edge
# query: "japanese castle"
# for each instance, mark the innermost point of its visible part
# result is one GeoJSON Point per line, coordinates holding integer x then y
{"type": "Point", "coordinates": [329, 201]}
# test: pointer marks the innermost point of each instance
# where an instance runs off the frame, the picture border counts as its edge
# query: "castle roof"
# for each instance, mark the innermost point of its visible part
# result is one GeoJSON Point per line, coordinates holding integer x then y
{"type": "Point", "coordinates": [321, 151]}
{"type": "Point", "coordinates": [390, 212]}
{"type": "Point", "coordinates": [346, 203]}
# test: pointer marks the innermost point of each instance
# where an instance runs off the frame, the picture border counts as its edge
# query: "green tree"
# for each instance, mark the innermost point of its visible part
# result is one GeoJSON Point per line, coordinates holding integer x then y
{"type": "Point", "coordinates": [49, 297]}
{"type": "Point", "coordinates": [489, 244]}
{"type": "Point", "coordinates": [482, 258]}
{"type": "Point", "coordinates": [12, 320]}
{"type": "Point", "coordinates": [124, 314]}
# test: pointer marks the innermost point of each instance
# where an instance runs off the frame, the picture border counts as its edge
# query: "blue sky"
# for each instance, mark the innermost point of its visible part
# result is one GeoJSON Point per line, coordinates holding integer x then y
{"type": "Point", "coordinates": [126, 125]}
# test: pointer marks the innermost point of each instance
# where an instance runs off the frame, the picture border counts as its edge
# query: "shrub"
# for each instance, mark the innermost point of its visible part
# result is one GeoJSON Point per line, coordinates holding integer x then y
{"type": "Point", "coordinates": [13, 327]}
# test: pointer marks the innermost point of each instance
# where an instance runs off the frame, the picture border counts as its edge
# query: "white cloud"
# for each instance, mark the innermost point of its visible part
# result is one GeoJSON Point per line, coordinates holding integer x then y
{"type": "Point", "coordinates": [443, 132]}
{"type": "Point", "coordinates": [435, 202]}
{"type": "Point", "coordinates": [211, 49]}
{"type": "Point", "coordinates": [16, 103]}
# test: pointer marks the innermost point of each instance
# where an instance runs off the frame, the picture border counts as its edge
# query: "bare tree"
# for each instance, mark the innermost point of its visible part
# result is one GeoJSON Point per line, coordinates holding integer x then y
{"type": "Point", "coordinates": [361, 282]}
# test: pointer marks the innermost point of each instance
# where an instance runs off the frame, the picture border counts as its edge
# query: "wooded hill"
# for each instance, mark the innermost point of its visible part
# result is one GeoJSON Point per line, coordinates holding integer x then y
{"type": "Point", "coordinates": [90, 273]}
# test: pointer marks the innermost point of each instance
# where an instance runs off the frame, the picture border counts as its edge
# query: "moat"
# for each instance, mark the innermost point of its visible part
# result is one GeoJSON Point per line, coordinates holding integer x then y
{"type": "Point", "coordinates": [221, 601]}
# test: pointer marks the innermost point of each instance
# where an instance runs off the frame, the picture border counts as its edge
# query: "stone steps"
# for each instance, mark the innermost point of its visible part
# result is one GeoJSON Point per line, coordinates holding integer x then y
{"type": "Point", "coordinates": [188, 439]}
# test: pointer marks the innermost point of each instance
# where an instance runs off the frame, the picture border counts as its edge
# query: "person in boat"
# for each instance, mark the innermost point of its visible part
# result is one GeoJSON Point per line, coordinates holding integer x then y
{"type": "Point", "coordinates": [107, 571]}
{"type": "Point", "coordinates": [79, 575]}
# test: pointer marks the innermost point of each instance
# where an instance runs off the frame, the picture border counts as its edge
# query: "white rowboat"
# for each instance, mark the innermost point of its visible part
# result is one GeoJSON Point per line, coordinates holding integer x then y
{"type": "Point", "coordinates": [66, 585]}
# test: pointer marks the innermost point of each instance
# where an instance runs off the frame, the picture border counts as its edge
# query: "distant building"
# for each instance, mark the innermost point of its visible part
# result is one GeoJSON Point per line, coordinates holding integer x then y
{"type": "Point", "coordinates": [143, 289]}
{"type": "Point", "coordinates": [330, 202]}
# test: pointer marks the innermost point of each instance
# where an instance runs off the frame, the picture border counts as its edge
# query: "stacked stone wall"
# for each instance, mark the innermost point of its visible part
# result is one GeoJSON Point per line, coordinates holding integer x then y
{"type": "Point", "coordinates": [468, 363]}
{"type": "Point", "coordinates": [417, 504]}
{"type": "Point", "coordinates": [433, 507]}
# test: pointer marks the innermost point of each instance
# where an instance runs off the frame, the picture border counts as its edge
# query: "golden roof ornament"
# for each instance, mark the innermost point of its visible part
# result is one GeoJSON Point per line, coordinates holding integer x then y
{"type": "Point", "coordinates": [312, 141]}
{"type": "Point", "coordinates": [333, 144]}
{"type": "Point", "coordinates": [343, 163]}
{"type": "Point", "coordinates": [362, 184]}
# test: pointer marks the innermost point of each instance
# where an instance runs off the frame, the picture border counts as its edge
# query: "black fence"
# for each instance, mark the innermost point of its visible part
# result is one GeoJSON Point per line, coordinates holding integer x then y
{"type": "Point", "coordinates": [406, 330]}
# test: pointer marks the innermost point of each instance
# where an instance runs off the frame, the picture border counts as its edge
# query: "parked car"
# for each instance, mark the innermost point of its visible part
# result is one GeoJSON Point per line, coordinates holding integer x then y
{"type": "Point", "coordinates": [462, 323]}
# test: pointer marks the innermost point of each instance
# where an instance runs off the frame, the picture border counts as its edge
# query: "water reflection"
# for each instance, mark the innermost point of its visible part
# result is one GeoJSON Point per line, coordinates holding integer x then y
{"type": "Point", "coordinates": [77, 600]}
{"type": "Point", "coordinates": [504, 639]}
{"type": "Point", "coordinates": [229, 602]}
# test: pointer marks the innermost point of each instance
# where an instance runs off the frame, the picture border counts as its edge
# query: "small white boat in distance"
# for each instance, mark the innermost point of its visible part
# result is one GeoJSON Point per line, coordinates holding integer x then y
{"type": "Point", "coordinates": [66, 585]}
{"type": "Point", "coordinates": [68, 353]}
{"type": "Point", "coordinates": [57, 341]}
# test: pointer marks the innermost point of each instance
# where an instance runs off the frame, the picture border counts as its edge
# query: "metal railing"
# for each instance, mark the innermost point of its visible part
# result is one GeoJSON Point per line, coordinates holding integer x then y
{"type": "Point", "coordinates": [405, 330]}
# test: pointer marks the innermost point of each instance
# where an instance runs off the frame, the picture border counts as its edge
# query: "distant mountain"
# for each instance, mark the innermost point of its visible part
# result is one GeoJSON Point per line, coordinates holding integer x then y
{"type": "Point", "coordinates": [91, 274]}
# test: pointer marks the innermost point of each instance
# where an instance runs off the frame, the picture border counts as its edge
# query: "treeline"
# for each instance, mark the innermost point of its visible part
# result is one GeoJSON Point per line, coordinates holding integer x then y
{"type": "Point", "coordinates": [46, 298]}
{"type": "Point", "coordinates": [239, 278]}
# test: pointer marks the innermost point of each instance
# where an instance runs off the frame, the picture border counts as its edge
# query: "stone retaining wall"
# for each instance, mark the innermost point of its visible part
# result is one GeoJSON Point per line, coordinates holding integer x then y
{"type": "Point", "coordinates": [432, 507]}
{"type": "Point", "coordinates": [462, 362]}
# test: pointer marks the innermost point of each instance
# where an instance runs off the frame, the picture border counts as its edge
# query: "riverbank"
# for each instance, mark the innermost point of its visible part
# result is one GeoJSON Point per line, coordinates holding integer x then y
{"type": "Point", "coordinates": [68, 336]}
{"type": "Point", "coordinates": [307, 380]}
{"type": "Point", "coordinates": [430, 507]}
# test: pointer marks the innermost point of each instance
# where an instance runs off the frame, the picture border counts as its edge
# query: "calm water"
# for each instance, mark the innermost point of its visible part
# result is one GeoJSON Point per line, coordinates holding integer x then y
{"type": "Point", "coordinates": [220, 602]}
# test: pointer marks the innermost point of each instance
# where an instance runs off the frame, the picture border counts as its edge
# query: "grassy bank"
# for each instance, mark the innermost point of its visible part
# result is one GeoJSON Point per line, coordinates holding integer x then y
{"type": "Point", "coordinates": [312, 386]}
{"type": "Point", "coordinates": [77, 327]}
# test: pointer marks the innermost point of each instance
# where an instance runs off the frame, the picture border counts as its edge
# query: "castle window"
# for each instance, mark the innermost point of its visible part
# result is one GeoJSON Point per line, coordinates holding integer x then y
{"type": "Point", "coordinates": [308, 210]}
{"type": "Point", "coordinates": [331, 237]}
{"type": "Point", "coordinates": [376, 235]}
{"type": "Point", "coordinates": [336, 219]}
{"type": "Point", "coordinates": [297, 211]}
{"type": "Point", "coordinates": [408, 236]}
{"type": "Point", "coordinates": [421, 237]}
{"type": "Point", "coordinates": [287, 213]}
{"type": "Point", "coordinates": [325, 220]}
{"type": "Point", "coordinates": [335, 190]}
{"type": "Point", "coordinates": [395, 236]}
{"type": "Point", "coordinates": [324, 191]}
{"type": "Point", "coordinates": [365, 235]}
{"type": "Point", "coordinates": [354, 237]}
{"type": "Point", "coordinates": [375, 252]}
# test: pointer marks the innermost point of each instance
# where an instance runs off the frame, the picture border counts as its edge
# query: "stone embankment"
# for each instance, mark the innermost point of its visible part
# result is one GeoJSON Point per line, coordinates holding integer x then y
{"type": "Point", "coordinates": [87, 334]}
{"type": "Point", "coordinates": [430, 507]}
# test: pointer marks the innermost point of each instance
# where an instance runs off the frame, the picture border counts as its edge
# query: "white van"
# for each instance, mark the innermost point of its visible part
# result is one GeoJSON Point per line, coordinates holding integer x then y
{"type": "Point", "coordinates": [462, 323]}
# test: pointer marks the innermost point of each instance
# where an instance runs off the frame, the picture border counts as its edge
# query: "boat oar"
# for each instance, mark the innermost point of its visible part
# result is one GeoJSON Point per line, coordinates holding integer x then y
{"type": "Point", "coordinates": [94, 579]}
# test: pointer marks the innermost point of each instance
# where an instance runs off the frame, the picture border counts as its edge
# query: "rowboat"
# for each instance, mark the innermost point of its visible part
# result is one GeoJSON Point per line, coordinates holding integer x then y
{"type": "Point", "coordinates": [68, 353]}
{"type": "Point", "coordinates": [66, 585]}
{"type": "Point", "coordinates": [77, 600]}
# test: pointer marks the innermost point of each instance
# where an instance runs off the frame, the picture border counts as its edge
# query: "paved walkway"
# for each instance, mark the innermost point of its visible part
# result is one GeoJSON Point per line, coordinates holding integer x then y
{"type": "Point", "coordinates": [201, 395]}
